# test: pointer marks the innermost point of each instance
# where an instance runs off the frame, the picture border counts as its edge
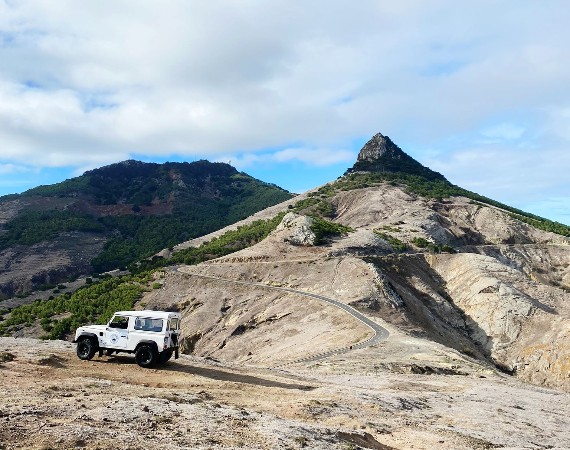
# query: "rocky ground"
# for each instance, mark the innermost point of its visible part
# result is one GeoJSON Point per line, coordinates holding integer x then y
{"type": "Point", "coordinates": [364, 399]}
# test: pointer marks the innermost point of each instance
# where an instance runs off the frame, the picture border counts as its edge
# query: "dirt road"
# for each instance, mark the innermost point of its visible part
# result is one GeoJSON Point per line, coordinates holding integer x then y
{"type": "Point", "coordinates": [379, 333]}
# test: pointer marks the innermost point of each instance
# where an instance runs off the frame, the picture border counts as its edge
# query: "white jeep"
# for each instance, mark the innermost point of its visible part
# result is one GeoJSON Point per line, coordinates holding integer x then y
{"type": "Point", "coordinates": [152, 336]}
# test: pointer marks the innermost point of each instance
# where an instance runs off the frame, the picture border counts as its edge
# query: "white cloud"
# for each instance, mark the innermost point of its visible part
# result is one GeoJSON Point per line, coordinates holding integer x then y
{"type": "Point", "coordinates": [84, 83]}
{"type": "Point", "coordinates": [12, 168]}
{"type": "Point", "coordinates": [506, 174]}
{"type": "Point", "coordinates": [311, 157]}
{"type": "Point", "coordinates": [317, 157]}
{"type": "Point", "coordinates": [503, 132]}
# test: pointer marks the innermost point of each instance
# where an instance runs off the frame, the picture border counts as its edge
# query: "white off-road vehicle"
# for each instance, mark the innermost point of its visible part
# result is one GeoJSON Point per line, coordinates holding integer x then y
{"type": "Point", "coordinates": [151, 335]}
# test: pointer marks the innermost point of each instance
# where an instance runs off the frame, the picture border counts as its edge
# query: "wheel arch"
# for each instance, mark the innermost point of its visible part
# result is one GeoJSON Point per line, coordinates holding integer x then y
{"type": "Point", "coordinates": [147, 342]}
{"type": "Point", "coordinates": [88, 335]}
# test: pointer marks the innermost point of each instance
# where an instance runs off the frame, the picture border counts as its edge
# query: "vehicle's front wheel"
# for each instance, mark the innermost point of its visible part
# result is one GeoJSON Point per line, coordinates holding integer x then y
{"type": "Point", "coordinates": [146, 356]}
{"type": "Point", "coordinates": [86, 349]}
{"type": "Point", "coordinates": [165, 356]}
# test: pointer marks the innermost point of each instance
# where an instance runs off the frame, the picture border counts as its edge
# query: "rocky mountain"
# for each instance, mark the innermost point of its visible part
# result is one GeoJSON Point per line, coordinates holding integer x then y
{"type": "Point", "coordinates": [385, 310]}
{"type": "Point", "coordinates": [469, 275]}
{"type": "Point", "coordinates": [381, 155]}
{"type": "Point", "coordinates": [112, 216]}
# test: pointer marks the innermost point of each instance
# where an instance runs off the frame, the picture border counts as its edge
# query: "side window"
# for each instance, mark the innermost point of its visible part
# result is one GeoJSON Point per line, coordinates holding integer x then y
{"type": "Point", "coordinates": [147, 324]}
{"type": "Point", "coordinates": [173, 324]}
{"type": "Point", "coordinates": [121, 322]}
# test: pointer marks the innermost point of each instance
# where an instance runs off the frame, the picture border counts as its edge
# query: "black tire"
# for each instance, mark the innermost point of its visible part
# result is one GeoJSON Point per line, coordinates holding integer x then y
{"type": "Point", "coordinates": [86, 349]}
{"type": "Point", "coordinates": [165, 356]}
{"type": "Point", "coordinates": [146, 355]}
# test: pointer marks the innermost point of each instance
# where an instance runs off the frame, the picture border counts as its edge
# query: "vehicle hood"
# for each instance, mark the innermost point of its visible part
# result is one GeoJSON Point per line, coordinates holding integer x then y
{"type": "Point", "coordinates": [93, 328]}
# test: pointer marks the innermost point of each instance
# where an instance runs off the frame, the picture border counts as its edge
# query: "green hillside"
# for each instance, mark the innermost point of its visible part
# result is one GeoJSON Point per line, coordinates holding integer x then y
{"type": "Point", "coordinates": [140, 208]}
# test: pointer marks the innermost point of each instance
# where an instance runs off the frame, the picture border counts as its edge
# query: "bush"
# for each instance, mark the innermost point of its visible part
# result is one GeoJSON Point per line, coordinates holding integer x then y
{"type": "Point", "coordinates": [230, 242]}
{"type": "Point", "coordinates": [396, 243]}
{"type": "Point", "coordinates": [325, 229]}
{"type": "Point", "coordinates": [6, 357]}
{"type": "Point", "coordinates": [434, 248]}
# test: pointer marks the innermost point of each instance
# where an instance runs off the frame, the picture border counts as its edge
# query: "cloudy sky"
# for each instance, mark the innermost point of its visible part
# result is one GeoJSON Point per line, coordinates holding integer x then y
{"type": "Point", "coordinates": [289, 91]}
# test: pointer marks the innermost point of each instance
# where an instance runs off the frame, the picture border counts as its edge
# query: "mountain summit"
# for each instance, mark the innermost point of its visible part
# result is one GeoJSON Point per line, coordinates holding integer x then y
{"type": "Point", "coordinates": [380, 154]}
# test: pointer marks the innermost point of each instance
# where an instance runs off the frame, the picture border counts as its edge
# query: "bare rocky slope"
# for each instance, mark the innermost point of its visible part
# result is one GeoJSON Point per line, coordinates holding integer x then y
{"type": "Point", "coordinates": [495, 300]}
{"type": "Point", "coordinates": [502, 296]}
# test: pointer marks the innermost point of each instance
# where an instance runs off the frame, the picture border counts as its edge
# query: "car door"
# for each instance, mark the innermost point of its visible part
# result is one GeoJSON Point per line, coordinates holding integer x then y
{"type": "Point", "coordinates": [117, 332]}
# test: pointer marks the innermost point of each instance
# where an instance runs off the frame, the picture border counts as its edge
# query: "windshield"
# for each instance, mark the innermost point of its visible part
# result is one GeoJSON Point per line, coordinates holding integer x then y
{"type": "Point", "coordinates": [173, 324]}
{"type": "Point", "coordinates": [121, 322]}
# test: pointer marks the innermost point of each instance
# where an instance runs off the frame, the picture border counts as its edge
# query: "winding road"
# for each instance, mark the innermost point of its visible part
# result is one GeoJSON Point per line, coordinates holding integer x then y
{"type": "Point", "coordinates": [380, 333]}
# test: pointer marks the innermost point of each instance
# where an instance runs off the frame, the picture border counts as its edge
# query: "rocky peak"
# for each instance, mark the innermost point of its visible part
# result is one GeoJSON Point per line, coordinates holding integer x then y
{"type": "Point", "coordinates": [377, 147]}
{"type": "Point", "coordinates": [380, 154]}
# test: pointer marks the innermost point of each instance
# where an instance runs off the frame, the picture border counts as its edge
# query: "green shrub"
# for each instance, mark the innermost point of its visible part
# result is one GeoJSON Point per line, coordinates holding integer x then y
{"type": "Point", "coordinates": [325, 229]}
{"type": "Point", "coordinates": [325, 209]}
{"type": "Point", "coordinates": [231, 241]}
{"type": "Point", "coordinates": [6, 357]}
{"type": "Point", "coordinates": [305, 203]}
{"type": "Point", "coordinates": [396, 243]}
{"type": "Point", "coordinates": [421, 242]}
{"type": "Point", "coordinates": [434, 248]}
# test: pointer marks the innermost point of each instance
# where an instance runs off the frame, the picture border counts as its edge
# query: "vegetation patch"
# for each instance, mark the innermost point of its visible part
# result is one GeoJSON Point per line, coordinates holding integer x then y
{"type": "Point", "coordinates": [325, 229]}
{"type": "Point", "coordinates": [394, 229]}
{"type": "Point", "coordinates": [396, 243]}
{"type": "Point", "coordinates": [317, 203]}
{"type": "Point", "coordinates": [6, 357]}
{"type": "Point", "coordinates": [305, 203]}
{"type": "Point", "coordinates": [542, 224]}
{"type": "Point", "coordinates": [430, 246]}
{"type": "Point", "coordinates": [31, 227]}
{"type": "Point", "coordinates": [231, 241]}
{"type": "Point", "coordinates": [93, 303]}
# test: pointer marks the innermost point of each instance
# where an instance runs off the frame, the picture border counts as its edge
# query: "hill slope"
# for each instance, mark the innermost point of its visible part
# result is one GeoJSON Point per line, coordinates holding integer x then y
{"type": "Point", "coordinates": [118, 214]}
{"type": "Point", "coordinates": [470, 275]}
{"type": "Point", "coordinates": [470, 293]}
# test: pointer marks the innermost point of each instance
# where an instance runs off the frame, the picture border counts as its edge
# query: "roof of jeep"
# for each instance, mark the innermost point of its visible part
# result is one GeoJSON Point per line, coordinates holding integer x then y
{"type": "Point", "coordinates": [149, 313]}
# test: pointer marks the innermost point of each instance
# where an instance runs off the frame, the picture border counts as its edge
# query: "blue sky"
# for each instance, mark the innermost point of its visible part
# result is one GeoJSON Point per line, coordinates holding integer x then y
{"type": "Point", "coordinates": [290, 91]}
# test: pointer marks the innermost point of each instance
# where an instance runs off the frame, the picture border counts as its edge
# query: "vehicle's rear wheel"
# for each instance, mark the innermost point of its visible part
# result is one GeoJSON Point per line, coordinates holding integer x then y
{"type": "Point", "coordinates": [86, 348]}
{"type": "Point", "coordinates": [165, 356]}
{"type": "Point", "coordinates": [146, 356]}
